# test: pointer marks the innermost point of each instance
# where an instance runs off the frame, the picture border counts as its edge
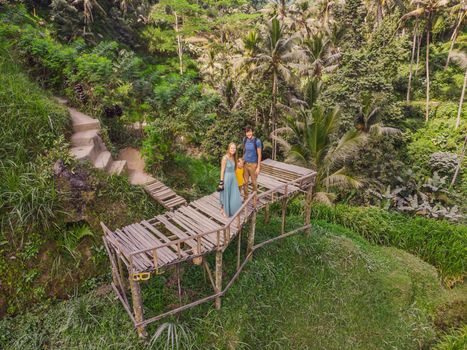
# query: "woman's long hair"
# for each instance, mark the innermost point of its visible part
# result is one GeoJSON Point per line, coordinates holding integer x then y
{"type": "Point", "coordinates": [235, 155]}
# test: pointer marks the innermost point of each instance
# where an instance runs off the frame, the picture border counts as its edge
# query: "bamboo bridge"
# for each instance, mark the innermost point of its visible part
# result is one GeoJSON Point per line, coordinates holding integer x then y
{"type": "Point", "coordinates": [193, 230]}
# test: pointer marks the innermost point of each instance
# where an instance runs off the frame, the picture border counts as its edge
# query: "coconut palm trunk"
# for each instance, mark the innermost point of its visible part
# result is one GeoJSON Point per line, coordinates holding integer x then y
{"type": "Point", "coordinates": [453, 39]}
{"type": "Point", "coordinates": [179, 43]}
{"type": "Point", "coordinates": [419, 44]}
{"type": "Point", "coordinates": [459, 111]}
{"type": "Point", "coordinates": [427, 66]}
{"type": "Point", "coordinates": [274, 111]}
{"type": "Point", "coordinates": [414, 45]}
{"type": "Point", "coordinates": [379, 13]}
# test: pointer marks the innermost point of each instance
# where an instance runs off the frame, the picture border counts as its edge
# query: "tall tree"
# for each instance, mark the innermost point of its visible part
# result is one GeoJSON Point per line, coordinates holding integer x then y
{"type": "Point", "coordinates": [412, 58]}
{"type": "Point", "coordinates": [273, 60]}
{"type": "Point", "coordinates": [459, 11]}
{"type": "Point", "coordinates": [461, 59]}
{"type": "Point", "coordinates": [428, 9]}
{"type": "Point", "coordinates": [176, 19]}
{"type": "Point", "coordinates": [302, 17]}
{"type": "Point", "coordinates": [368, 119]}
{"type": "Point", "coordinates": [319, 54]}
{"type": "Point", "coordinates": [312, 128]}
{"type": "Point", "coordinates": [88, 8]}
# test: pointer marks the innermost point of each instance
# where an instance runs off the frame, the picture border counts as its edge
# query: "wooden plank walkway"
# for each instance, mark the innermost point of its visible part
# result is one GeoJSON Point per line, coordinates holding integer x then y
{"type": "Point", "coordinates": [198, 228]}
{"type": "Point", "coordinates": [164, 195]}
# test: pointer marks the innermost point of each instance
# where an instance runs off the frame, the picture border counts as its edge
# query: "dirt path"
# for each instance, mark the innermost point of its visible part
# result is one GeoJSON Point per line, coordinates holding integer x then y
{"type": "Point", "coordinates": [135, 166]}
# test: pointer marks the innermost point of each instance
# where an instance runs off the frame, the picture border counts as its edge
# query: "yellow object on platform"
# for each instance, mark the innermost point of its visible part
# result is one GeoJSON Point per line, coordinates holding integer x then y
{"type": "Point", "coordinates": [142, 276]}
{"type": "Point", "coordinates": [239, 175]}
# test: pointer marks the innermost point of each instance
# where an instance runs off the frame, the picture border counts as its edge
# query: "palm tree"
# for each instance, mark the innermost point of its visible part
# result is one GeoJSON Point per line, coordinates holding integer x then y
{"type": "Point", "coordinates": [412, 57]}
{"type": "Point", "coordinates": [312, 127]}
{"type": "Point", "coordinates": [88, 6]}
{"type": "Point", "coordinates": [377, 9]}
{"type": "Point", "coordinates": [461, 59]}
{"type": "Point", "coordinates": [367, 120]}
{"type": "Point", "coordinates": [460, 11]}
{"type": "Point", "coordinates": [428, 9]}
{"type": "Point", "coordinates": [324, 10]}
{"type": "Point", "coordinates": [182, 16]}
{"type": "Point", "coordinates": [301, 20]}
{"type": "Point", "coordinates": [320, 56]}
{"type": "Point", "coordinates": [273, 60]}
{"type": "Point", "coordinates": [276, 9]}
{"type": "Point", "coordinates": [250, 43]}
{"type": "Point", "coordinates": [210, 65]}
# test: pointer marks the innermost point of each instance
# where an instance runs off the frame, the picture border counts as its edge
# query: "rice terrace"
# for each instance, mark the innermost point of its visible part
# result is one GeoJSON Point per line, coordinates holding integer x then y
{"type": "Point", "coordinates": [267, 174]}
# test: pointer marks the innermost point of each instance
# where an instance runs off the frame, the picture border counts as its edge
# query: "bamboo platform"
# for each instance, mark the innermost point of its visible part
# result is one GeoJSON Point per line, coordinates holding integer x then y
{"type": "Point", "coordinates": [193, 230]}
{"type": "Point", "coordinates": [164, 195]}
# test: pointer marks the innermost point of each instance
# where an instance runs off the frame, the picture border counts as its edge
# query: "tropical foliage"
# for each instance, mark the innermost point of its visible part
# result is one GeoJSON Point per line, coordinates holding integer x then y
{"type": "Point", "coordinates": [370, 94]}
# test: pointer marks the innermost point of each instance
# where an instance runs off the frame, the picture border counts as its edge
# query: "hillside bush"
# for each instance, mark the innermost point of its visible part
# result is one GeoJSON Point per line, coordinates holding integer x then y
{"type": "Point", "coordinates": [438, 135]}
{"type": "Point", "coordinates": [440, 243]}
{"type": "Point", "coordinates": [32, 140]}
{"type": "Point", "coordinates": [43, 191]}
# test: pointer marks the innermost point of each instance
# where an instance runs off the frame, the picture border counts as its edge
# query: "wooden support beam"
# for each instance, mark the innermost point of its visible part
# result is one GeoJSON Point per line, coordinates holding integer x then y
{"type": "Point", "coordinates": [137, 306]}
{"type": "Point", "coordinates": [121, 271]}
{"type": "Point", "coordinates": [284, 212]}
{"type": "Point", "coordinates": [308, 199]}
{"type": "Point", "coordinates": [266, 214]}
{"type": "Point", "coordinates": [251, 236]}
{"type": "Point", "coordinates": [218, 278]}
{"type": "Point", "coordinates": [239, 245]}
{"type": "Point", "coordinates": [179, 285]}
{"type": "Point", "coordinates": [208, 270]}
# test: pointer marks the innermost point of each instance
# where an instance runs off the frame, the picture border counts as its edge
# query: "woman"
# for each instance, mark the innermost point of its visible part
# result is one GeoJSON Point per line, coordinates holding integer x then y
{"type": "Point", "coordinates": [230, 197]}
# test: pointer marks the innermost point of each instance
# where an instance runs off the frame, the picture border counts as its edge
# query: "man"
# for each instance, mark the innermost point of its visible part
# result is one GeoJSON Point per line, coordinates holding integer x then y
{"type": "Point", "coordinates": [252, 159]}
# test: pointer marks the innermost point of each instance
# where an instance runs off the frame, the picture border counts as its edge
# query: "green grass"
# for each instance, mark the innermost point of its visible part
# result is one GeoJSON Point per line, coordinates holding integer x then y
{"type": "Point", "coordinates": [40, 258]}
{"type": "Point", "coordinates": [31, 138]}
{"type": "Point", "coordinates": [455, 341]}
{"type": "Point", "coordinates": [330, 290]}
{"type": "Point", "coordinates": [438, 242]}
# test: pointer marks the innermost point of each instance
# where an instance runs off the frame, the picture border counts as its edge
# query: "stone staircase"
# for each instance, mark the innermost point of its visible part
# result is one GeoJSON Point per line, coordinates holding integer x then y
{"type": "Point", "coordinates": [87, 145]}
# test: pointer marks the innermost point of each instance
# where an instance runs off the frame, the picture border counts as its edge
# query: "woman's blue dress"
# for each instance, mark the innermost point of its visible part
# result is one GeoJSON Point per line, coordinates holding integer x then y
{"type": "Point", "coordinates": [230, 197]}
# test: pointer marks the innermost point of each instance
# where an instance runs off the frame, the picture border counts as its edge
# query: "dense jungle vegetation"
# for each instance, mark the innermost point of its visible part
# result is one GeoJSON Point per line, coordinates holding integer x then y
{"type": "Point", "coordinates": [367, 93]}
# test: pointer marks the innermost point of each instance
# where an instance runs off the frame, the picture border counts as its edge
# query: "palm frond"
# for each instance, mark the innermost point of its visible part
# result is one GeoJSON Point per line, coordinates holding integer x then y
{"type": "Point", "coordinates": [340, 179]}
{"type": "Point", "coordinates": [324, 197]}
{"type": "Point", "coordinates": [282, 142]}
{"type": "Point", "coordinates": [297, 156]}
{"type": "Point", "coordinates": [345, 148]}
{"type": "Point", "coordinates": [378, 129]}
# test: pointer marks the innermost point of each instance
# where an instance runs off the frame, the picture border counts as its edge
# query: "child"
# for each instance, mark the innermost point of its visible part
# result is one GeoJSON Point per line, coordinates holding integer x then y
{"type": "Point", "coordinates": [239, 174]}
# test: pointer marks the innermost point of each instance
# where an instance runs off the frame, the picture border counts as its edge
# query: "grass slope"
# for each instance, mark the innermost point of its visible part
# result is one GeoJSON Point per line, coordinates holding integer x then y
{"type": "Point", "coordinates": [330, 290]}
{"type": "Point", "coordinates": [50, 241]}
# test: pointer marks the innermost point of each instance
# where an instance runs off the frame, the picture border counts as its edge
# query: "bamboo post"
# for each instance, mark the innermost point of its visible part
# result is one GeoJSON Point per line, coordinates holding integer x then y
{"type": "Point", "coordinates": [218, 278]}
{"type": "Point", "coordinates": [284, 211]}
{"type": "Point", "coordinates": [114, 270]}
{"type": "Point", "coordinates": [122, 274]}
{"type": "Point", "coordinates": [227, 231]}
{"type": "Point", "coordinates": [137, 306]}
{"type": "Point", "coordinates": [308, 198]}
{"type": "Point", "coordinates": [239, 246]}
{"type": "Point", "coordinates": [179, 285]}
{"type": "Point", "coordinates": [251, 236]}
{"type": "Point", "coordinates": [266, 214]}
